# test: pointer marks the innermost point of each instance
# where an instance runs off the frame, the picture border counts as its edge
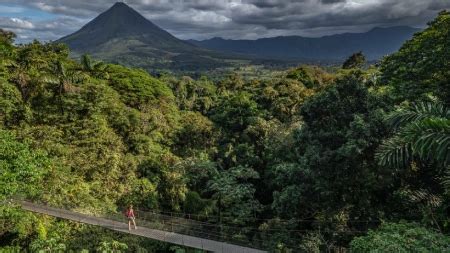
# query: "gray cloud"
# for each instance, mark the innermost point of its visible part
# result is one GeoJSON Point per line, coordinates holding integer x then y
{"type": "Point", "coordinates": [247, 19]}
{"type": "Point", "coordinates": [331, 1]}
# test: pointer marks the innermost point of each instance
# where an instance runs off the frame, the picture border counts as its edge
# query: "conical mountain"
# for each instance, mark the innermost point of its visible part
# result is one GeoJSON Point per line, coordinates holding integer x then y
{"type": "Point", "coordinates": [120, 22]}
{"type": "Point", "coordinates": [122, 35]}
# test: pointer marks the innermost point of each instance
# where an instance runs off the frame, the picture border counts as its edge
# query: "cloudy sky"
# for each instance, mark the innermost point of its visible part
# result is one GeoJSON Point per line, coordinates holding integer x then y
{"type": "Point", "coordinates": [235, 19]}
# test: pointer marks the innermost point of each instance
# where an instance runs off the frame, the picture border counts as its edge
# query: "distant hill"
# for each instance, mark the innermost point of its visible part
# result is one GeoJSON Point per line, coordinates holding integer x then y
{"type": "Point", "coordinates": [122, 35]}
{"type": "Point", "coordinates": [375, 44]}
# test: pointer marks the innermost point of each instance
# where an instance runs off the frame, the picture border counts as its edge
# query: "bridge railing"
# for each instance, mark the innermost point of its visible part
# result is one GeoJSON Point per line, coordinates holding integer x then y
{"type": "Point", "coordinates": [189, 227]}
{"type": "Point", "coordinates": [246, 236]}
{"type": "Point", "coordinates": [181, 224]}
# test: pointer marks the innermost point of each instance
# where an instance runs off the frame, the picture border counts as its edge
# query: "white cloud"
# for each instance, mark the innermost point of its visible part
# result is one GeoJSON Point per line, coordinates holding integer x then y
{"type": "Point", "coordinates": [15, 23]}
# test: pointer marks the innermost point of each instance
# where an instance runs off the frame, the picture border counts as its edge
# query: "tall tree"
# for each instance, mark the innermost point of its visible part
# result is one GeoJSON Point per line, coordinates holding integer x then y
{"type": "Point", "coordinates": [6, 45]}
{"type": "Point", "coordinates": [97, 69]}
{"type": "Point", "coordinates": [331, 168]}
{"type": "Point", "coordinates": [421, 68]}
{"type": "Point", "coordinates": [356, 60]}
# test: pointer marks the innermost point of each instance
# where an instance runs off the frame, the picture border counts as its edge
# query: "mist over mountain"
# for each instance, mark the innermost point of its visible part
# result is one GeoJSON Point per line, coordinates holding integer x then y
{"type": "Point", "coordinates": [375, 44]}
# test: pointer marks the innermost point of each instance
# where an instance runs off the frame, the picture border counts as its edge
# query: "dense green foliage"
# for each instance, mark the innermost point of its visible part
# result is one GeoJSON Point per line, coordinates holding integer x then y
{"type": "Point", "coordinates": [21, 168]}
{"type": "Point", "coordinates": [336, 161]}
{"type": "Point", "coordinates": [304, 161]}
{"type": "Point", "coordinates": [401, 237]}
{"type": "Point", "coordinates": [420, 68]}
{"type": "Point", "coordinates": [423, 134]}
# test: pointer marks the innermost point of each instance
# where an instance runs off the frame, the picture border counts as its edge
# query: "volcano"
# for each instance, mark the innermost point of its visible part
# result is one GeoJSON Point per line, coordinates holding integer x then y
{"type": "Point", "coordinates": [122, 35]}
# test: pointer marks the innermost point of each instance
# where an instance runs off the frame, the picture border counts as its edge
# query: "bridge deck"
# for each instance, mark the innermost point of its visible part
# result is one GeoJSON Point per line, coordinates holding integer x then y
{"type": "Point", "coordinates": [170, 237]}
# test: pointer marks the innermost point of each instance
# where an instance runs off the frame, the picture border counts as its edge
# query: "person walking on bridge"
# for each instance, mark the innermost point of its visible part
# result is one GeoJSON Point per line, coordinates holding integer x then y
{"type": "Point", "coordinates": [131, 218]}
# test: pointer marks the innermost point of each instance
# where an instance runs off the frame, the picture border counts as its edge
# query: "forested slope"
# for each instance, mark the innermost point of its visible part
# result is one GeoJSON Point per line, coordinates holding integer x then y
{"type": "Point", "coordinates": [307, 161]}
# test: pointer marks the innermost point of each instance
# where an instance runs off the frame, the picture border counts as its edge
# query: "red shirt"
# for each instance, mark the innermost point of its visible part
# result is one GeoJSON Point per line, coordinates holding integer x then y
{"type": "Point", "coordinates": [129, 213]}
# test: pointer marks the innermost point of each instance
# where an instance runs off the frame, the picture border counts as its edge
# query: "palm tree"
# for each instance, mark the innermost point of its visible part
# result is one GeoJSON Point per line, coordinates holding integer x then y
{"type": "Point", "coordinates": [23, 74]}
{"type": "Point", "coordinates": [423, 132]}
{"type": "Point", "coordinates": [96, 69]}
{"type": "Point", "coordinates": [423, 136]}
{"type": "Point", "coordinates": [62, 80]}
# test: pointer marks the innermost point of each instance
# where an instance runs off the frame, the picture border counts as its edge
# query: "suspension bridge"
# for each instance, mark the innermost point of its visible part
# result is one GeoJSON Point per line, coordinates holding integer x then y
{"type": "Point", "coordinates": [170, 229]}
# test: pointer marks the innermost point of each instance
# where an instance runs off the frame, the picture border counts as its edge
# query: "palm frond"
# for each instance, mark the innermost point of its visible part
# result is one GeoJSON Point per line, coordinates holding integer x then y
{"type": "Point", "coordinates": [48, 78]}
{"type": "Point", "coordinates": [418, 112]}
{"type": "Point", "coordinates": [422, 196]}
{"type": "Point", "coordinates": [446, 180]}
{"type": "Point", "coordinates": [430, 139]}
{"type": "Point", "coordinates": [395, 152]}
{"type": "Point", "coordinates": [423, 131]}
{"type": "Point", "coordinates": [100, 66]}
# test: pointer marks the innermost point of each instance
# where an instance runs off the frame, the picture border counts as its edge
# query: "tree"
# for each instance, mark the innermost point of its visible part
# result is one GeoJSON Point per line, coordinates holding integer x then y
{"type": "Point", "coordinates": [22, 169]}
{"type": "Point", "coordinates": [12, 108]}
{"type": "Point", "coordinates": [7, 37]}
{"type": "Point", "coordinates": [300, 74]}
{"type": "Point", "coordinates": [21, 74]}
{"type": "Point", "coordinates": [197, 134]}
{"type": "Point", "coordinates": [235, 112]}
{"type": "Point", "coordinates": [32, 65]}
{"type": "Point", "coordinates": [330, 170]}
{"type": "Point", "coordinates": [136, 87]}
{"type": "Point", "coordinates": [356, 60]}
{"type": "Point", "coordinates": [420, 152]}
{"type": "Point", "coordinates": [112, 246]}
{"type": "Point", "coordinates": [284, 98]}
{"type": "Point", "coordinates": [401, 237]}
{"type": "Point", "coordinates": [95, 69]}
{"type": "Point", "coordinates": [420, 68]}
{"type": "Point", "coordinates": [234, 194]}
{"type": "Point", "coordinates": [49, 245]}
{"type": "Point", "coordinates": [6, 41]}
{"type": "Point", "coordinates": [62, 80]}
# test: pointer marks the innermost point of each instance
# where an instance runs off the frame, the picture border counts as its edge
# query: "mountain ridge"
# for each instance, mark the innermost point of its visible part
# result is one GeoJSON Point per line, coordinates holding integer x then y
{"type": "Point", "coordinates": [375, 43]}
